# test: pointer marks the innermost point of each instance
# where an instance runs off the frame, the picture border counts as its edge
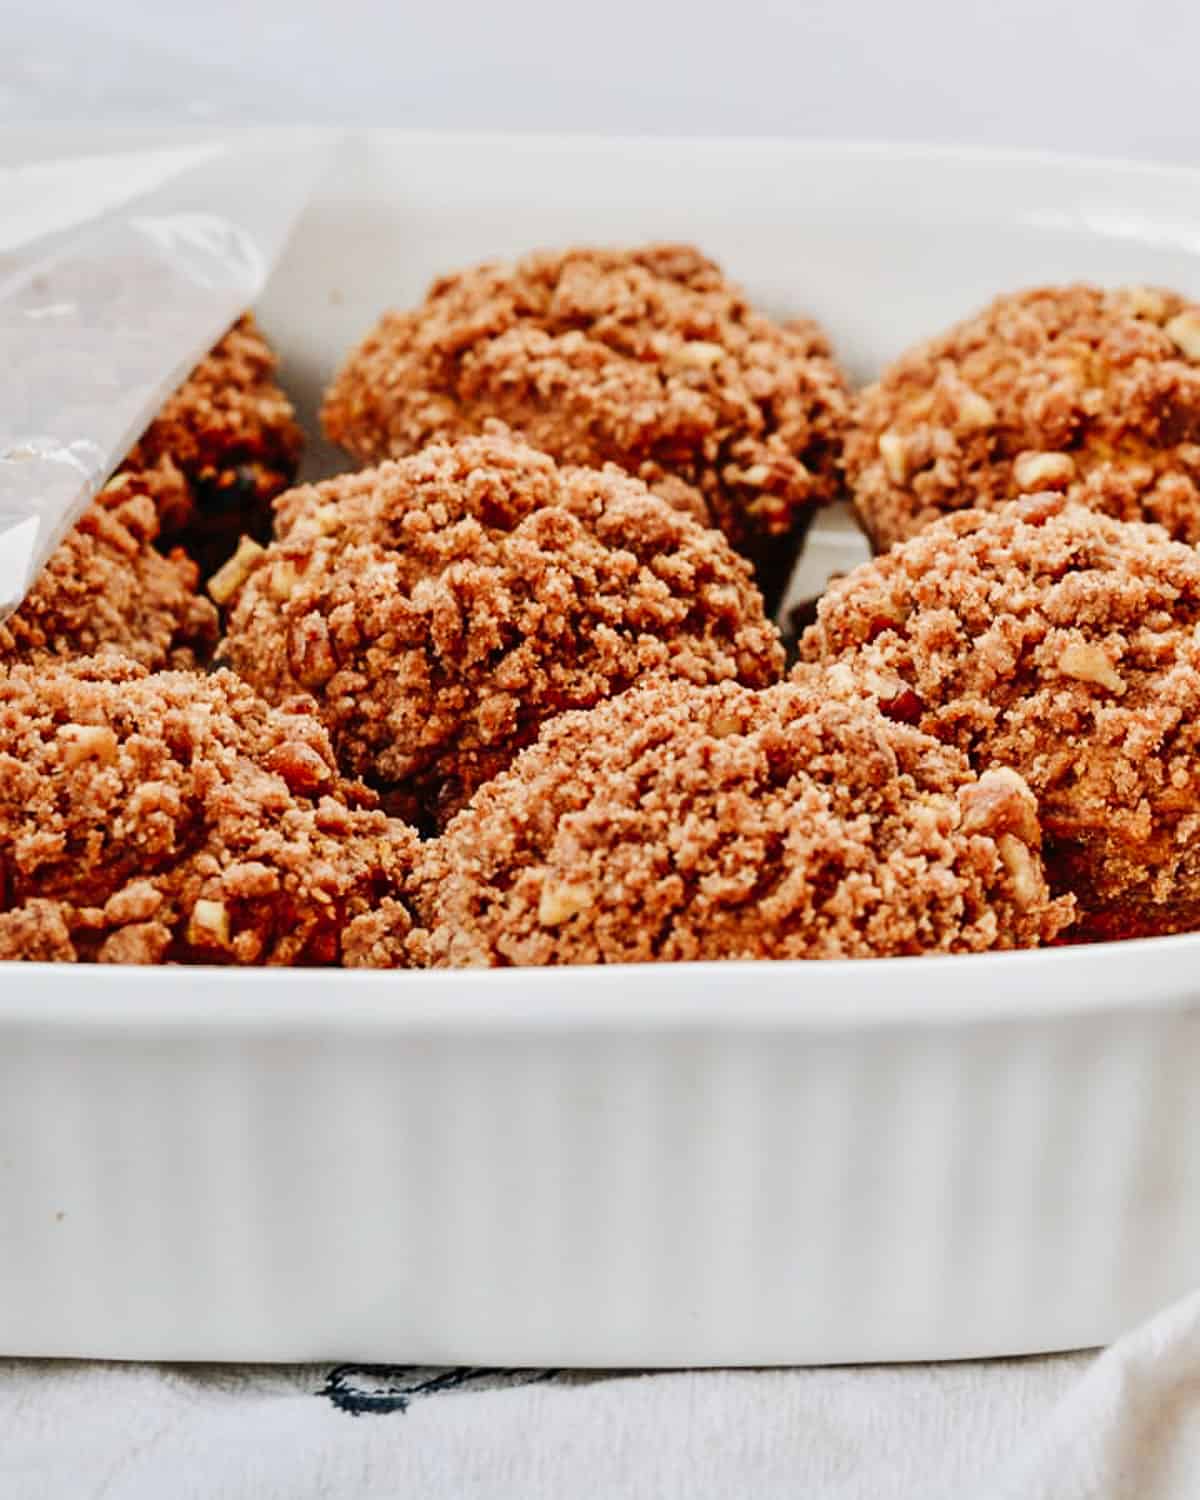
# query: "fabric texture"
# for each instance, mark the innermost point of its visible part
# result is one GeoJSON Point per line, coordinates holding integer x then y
{"type": "Point", "coordinates": [1123, 1425]}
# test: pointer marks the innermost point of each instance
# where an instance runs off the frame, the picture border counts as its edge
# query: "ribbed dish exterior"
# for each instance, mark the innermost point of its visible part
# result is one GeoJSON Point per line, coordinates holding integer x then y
{"type": "Point", "coordinates": [701, 1165]}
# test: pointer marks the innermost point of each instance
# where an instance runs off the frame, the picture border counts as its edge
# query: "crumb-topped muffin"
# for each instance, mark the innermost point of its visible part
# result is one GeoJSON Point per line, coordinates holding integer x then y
{"type": "Point", "coordinates": [220, 448]}
{"type": "Point", "coordinates": [678, 822]}
{"type": "Point", "coordinates": [1053, 639]}
{"type": "Point", "coordinates": [648, 358]}
{"type": "Point", "coordinates": [107, 588]}
{"type": "Point", "coordinates": [177, 818]}
{"type": "Point", "coordinates": [441, 607]}
{"type": "Point", "coordinates": [1066, 388]}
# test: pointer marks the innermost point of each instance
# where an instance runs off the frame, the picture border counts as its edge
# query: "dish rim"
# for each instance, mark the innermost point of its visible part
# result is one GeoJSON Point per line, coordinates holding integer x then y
{"type": "Point", "coordinates": [1137, 974]}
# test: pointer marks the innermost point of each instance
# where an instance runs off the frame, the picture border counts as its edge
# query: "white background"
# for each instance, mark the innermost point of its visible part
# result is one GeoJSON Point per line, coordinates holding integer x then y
{"type": "Point", "coordinates": [1114, 78]}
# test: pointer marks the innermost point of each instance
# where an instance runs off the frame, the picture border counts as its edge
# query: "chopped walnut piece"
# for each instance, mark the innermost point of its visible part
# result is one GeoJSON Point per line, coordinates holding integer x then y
{"type": "Point", "coordinates": [310, 651]}
{"type": "Point", "coordinates": [560, 901]}
{"type": "Point", "coordinates": [209, 924]}
{"type": "Point", "coordinates": [1184, 330]}
{"type": "Point", "coordinates": [894, 452]}
{"type": "Point", "coordinates": [1090, 663]}
{"type": "Point", "coordinates": [697, 354]}
{"type": "Point", "coordinates": [1001, 802]}
{"type": "Point", "coordinates": [1028, 881]}
{"type": "Point", "coordinates": [300, 766]}
{"type": "Point", "coordinates": [87, 742]}
{"type": "Point", "coordinates": [229, 578]}
{"type": "Point", "coordinates": [1146, 302]}
{"type": "Point", "coordinates": [281, 581]}
{"type": "Point", "coordinates": [975, 410]}
{"type": "Point", "coordinates": [1043, 471]}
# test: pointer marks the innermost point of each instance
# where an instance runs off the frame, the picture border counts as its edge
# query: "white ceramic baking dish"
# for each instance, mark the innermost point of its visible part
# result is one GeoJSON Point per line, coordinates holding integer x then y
{"type": "Point", "coordinates": [734, 1164]}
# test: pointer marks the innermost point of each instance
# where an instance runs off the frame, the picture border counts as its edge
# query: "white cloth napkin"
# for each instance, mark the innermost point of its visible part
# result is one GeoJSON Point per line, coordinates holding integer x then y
{"type": "Point", "coordinates": [1123, 1425]}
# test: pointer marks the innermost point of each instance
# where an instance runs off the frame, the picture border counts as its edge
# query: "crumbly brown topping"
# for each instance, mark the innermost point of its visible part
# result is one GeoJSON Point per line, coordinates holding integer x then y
{"type": "Point", "coordinates": [1056, 387]}
{"type": "Point", "coordinates": [206, 469]}
{"type": "Point", "coordinates": [681, 822]}
{"type": "Point", "coordinates": [443, 606]}
{"type": "Point", "coordinates": [107, 588]}
{"type": "Point", "coordinates": [1060, 642]}
{"type": "Point", "coordinates": [178, 818]}
{"type": "Point", "coordinates": [646, 358]}
{"type": "Point", "coordinates": [37, 932]}
{"type": "Point", "coordinates": [222, 446]}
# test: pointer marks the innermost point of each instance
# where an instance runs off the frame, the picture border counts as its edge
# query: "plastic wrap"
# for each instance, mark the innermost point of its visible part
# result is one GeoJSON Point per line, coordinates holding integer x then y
{"type": "Point", "coordinates": [117, 273]}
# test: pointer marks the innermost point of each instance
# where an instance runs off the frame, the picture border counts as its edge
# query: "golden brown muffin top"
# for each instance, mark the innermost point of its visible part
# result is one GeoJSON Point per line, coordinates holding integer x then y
{"type": "Point", "coordinates": [229, 411]}
{"type": "Point", "coordinates": [107, 588]}
{"type": "Point", "coordinates": [221, 448]}
{"type": "Point", "coordinates": [443, 606]}
{"type": "Point", "coordinates": [1053, 639]}
{"type": "Point", "coordinates": [648, 358]}
{"type": "Point", "coordinates": [1059, 387]}
{"type": "Point", "coordinates": [681, 822]}
{"type": "Point", "coordinates": [175, 817]}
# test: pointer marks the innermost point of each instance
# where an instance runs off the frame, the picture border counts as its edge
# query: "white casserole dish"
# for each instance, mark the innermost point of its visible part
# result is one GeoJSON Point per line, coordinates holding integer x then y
{"type": "Point", "coordinates": [703, 1164]}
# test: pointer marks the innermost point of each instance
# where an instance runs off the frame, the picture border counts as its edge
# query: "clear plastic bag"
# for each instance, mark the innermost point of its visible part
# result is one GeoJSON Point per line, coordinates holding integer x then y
{"type": "Point", "coordinates": [117, 273]}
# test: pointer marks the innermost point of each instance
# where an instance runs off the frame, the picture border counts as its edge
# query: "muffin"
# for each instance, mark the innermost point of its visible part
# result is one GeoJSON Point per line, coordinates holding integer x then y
{"type": "Point", "coordinates": [107, 588]}
{"type": "Point", "coordinates": [1070, 388]}
{"type": "Point", "coordinates": [646, 358]}
{"type": "Point", "coordinates": [219, 450]}
{"type": "Point", "coordinates": [149, 818]}
{"type": "Point", "coordinates": [1053, 639]}
{"type": "Point", "coordinates": [440, 608]}
{"type": "Point", "coordinates": [680, 822]}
